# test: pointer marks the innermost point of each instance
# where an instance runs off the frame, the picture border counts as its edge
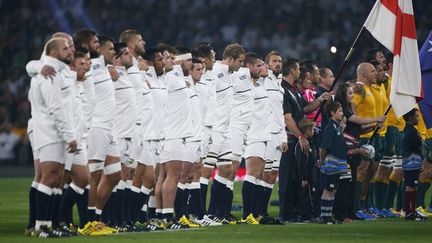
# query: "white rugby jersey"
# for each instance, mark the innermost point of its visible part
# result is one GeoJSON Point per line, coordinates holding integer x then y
{"type": "Point", "coordinates": [259, 130]}
{"type": "Point", "coordinates": [197, 124]}
{"type": "Point", "coordinates": [224, 96]}
{"type": "Point", "coordinates": [158, 93]}
{"type": "Point", "coordinates": [276, 92]}
{"type": "Point", "coordinates": [88, 98]}
{"type": "Point", "coordinates": [144, 102]}
{"type": "Point", "coordinates": [178, 114]}
{"type": "Point", "coordinates": [49, 119]}
{"type": "Point", "coordinates": [103, 114]}
{"type": "Point", "coordinates": [125, 108]}
{"type": "Point", "coordinates": [208, 78]}
{"type": "Point", "coordinates": [242, 100]}
{"type": "Point", "coordinates": [201, 89]}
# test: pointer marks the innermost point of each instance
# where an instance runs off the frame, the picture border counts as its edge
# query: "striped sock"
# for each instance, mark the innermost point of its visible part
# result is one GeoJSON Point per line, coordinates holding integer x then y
{"type": "Point", "coordinates": [326, 206]}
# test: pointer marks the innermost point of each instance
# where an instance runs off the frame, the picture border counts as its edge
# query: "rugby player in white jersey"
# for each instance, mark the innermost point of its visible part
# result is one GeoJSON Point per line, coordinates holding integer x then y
{"type": "Point", "coordinates": [192, 143]}
{"type": "Point", "coordinates": [220, 148]}
{"type": "Point", "coordinates": [103, 151]}
{"type": "Point", "coordinates": [53, 132]}
{"type": "Point", "coordinates": [240, 119]}
{"type": "Point", "coordinates": [124, 127]}
{"type": "Point", "coordinates": [207, 53]}
{"type": "Point", "coordinates": [176, 130]}
{"type": "Point", "coordinates": [258, 137]}
{"type": "Point", "coordinates": [194, 146]}
{"type": "Point", "coordinates": [278, 142]}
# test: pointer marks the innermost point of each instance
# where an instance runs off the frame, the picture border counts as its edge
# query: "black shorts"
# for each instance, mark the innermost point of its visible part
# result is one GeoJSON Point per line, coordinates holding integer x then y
{"type": "Point", "coordinates": [330, 182]}
{"type": "Point", "coordinates": [411, 177]}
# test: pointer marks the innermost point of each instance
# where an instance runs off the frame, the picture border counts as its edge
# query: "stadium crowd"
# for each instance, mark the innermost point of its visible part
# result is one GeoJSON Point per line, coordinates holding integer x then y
{"type": "Point", "coordinates": [130, 129]}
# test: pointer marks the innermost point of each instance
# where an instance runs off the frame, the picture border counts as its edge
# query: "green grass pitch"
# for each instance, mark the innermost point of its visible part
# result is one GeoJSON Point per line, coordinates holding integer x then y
{"type": "Point", "coordinates": [14, 207]}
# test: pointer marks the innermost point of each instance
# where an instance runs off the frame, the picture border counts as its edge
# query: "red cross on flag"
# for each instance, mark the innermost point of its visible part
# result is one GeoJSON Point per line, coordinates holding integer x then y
{"type": "Point", "coordinates": [391, 22]}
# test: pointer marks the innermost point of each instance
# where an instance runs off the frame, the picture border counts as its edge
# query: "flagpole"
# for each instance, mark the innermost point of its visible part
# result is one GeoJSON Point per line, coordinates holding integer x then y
{"type": "Point", "coordinates": [377, 128]}
{"type": "Point", "coordinates": [342, 68]}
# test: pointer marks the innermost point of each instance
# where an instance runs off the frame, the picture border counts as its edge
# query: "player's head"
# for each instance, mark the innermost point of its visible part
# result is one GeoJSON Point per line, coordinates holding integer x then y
{"type": "Point", "coordinates": [197, 69]}
{"type": "Point", "coordinates": [376, 54]}
{"type": "Point", "coordinates": [311, 67]}
{"type": "Point", "coordinates": [412, 117]}
{"type": "Point", "coordinates": [88, 39]}
{"type": "Point", "coordinates": [107, 49]}
{"type": "Point", "coordinates": [234, 56]}
{"type": "Point", "coordinates": [58, 48]}
{"type": "Point", "coordinates": [81, 63]}
{"type": "Point", "coordinates": [274, 61]}
{"type": "Point", "coordinates": [134, 41]}
{"type": "Point", "coordinates": [69, 40]}
{"type": "Point", "coordinates": [254, 62]}
{"type": "Point", "coordinates": [305, 79]}
{"type": "Point", "coordinates": [123, 57]}
{"type": "Point", "coordinates": [291, 68]}
{"type": "Point", "coordinates": [306, 127]}
{"type": "Point", "coordinates": [169, 56]}
{"type": "Point", "coordinates": [326, 78]}
{"type": "Point", "coordinates": [366, 73]}
{"type": "Point", "coordinates": [333, 109]}
{"type": "Point", "coordinates": [381, 75]}
{"type": "Point", "coordinates": [207, 52]}
{"type": "Point", "coordinates": [153, 56]}
{"type": "Point", "coordinates": [184, 58]}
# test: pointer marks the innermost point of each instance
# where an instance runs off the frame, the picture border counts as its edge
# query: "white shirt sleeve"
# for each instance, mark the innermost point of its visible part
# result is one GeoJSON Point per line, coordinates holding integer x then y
{"type": "Point", "coordinates": [51, 94]}
{"type": "Point", "coordinates": [33, 68]}
{"type": "Point", "coordinates": [89, 100]}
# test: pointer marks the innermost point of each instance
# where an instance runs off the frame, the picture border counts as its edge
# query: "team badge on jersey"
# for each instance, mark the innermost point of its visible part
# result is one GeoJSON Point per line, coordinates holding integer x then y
{"type": "Point", "coordinates": [220, 75]}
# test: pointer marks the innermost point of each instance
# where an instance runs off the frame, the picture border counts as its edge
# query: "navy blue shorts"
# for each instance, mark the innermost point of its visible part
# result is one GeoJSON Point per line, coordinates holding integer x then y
{"type": "Point", "coordinates": [330, 182]}
{"type": "Point", "coordinates": [411, 177]}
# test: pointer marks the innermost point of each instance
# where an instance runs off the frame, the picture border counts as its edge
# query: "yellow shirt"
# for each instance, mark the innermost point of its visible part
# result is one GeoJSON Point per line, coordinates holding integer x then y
{"type": "Point", "coordinates": [392, 120]}
{"type": "Point", "coordinates": [421, 127]}
{"type": "Point", "coordinates": [428, 134]}
{"type": "Point", "coordinates": [365, 107]}
{"type": "Point", "coordinates": [381, 103]}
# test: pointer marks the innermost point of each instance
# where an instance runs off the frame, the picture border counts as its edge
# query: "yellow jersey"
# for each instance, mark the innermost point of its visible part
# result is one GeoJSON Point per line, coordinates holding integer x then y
{"type": "Point", "coordinates": [365, 106]}
{"type": "Point", "coordinates": [421, 127]}
{"type": "Point", "coordinates": [381, 103]}
{"type": "Point", "coordinates": [392, 120]}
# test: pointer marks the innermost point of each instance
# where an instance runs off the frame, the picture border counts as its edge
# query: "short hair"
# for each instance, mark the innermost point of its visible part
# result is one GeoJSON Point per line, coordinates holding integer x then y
{"type": "Point", "coordinates": [127, 35]}
{"type": "Point", "coordinates": [409, 115]}
{"type": "Point", "coordinates": [371, 54]}
{"type": "Point", "coordinates": [104, 39]}
{"type": "Point", "coordinates": [308, 65]}
{"type": "Point", "coordinates": [305, 124]}
{"type": "Point", "coordinates": [80, 52]}
{"type": "Point", "coordinates": [204, 48]}
{"type": "Point", "coordinates": [118, 47]}
{"type": "Point", "coordinates": [182, 50]}
{"type": "Point", "coordinates": [197, 54]}
{"type": "Point", "coordinates": [374, 63]}
{"type": "Point", "coordinates": [196, 61]}
{"type": "Point", "coordinates": [150, 53]}
{"type": "Point", "coordinates": [83, 36]}
{"type": "Point", "coordinates": [53, 44]}
{"type": "Point", "coordinates": [323, 72]}
{"type": "Point", "coordinates": [331, 106]}
{"type": "Point", "coordinates": [233, 51]}
{"type": "Point", "coordinates": [165, 47]}
{"type": "Point", "coordinates": [251, 58]}
{"type": "Point", "coordinates": [288, 64]}
{"type": "Point", "coordinates": [272, 53]}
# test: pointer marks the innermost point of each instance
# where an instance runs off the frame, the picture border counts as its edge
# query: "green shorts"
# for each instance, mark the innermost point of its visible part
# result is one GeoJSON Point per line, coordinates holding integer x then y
{"type": "Point", "coordinates": [427, 150]}
{"type": "Point", "coordinates": [391, 140]}
{"type": "Point", "coordinates": [379, 145]}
